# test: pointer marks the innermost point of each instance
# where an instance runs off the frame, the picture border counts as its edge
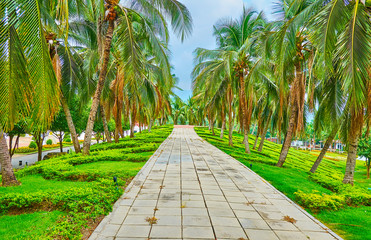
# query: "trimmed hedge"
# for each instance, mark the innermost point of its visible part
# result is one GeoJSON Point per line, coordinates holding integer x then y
{"type": "Point", "coordinates": [82, 205]}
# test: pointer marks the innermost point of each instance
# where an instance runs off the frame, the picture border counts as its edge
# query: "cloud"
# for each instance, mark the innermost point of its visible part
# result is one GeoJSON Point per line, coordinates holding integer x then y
{"type": "Point", "coordinates": [205, 14]}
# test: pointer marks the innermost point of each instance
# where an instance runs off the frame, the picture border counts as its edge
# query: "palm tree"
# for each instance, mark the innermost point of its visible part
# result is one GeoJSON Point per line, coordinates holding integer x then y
{"type": "Point", "coordinates": [330, 112]}
{"type": "Point", "coordinates": [343, 36]}
{"type": "Point", "coordinates": [28, 85]}
{"type": "Point", "coordinates": [178, 108]}
{"type": "Point", "coordinates": [232, 64]}
{"type": "Point", "coordinates": [293, 52]}
{"type": "Point", "coordinates": [181, 22]}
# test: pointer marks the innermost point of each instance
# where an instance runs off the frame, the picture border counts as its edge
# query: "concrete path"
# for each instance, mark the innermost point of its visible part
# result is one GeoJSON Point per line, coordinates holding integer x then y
{"type": "Point", "coordinates": [191, 190]}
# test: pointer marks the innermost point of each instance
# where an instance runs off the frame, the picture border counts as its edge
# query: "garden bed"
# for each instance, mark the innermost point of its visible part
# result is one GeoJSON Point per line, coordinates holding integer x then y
{"type": "Point", "coordinates": [72, 193]}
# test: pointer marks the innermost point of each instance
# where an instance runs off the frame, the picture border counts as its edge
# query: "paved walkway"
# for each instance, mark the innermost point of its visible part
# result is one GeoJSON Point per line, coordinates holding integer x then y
{"type": "Point", "coordinates": [195, 191]}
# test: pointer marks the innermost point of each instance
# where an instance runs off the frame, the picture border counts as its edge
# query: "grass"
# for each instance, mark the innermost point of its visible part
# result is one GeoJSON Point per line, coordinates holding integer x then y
{"type": "Point", "coordinates": [36, 183]}
{"type": "Point", "coordinates": [28, 226]}
{"type": "Point", "coordinates": [121, 169]}
{"type": "Point", "coordinates": [66, 196]}
{"type": "Point", "coordinates": [350, 220]}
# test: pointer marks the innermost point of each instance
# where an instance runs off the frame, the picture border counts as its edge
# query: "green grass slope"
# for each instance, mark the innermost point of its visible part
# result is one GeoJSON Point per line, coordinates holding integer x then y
{"type": "Point", "coordinates": [343, 208]}
{"type": "Point", "coordinates": [66, 196]}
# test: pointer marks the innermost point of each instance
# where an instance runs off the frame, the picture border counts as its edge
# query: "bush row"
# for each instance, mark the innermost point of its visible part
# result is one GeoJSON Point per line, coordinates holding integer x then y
{"type": "Point", "coordinates": [80, 204]}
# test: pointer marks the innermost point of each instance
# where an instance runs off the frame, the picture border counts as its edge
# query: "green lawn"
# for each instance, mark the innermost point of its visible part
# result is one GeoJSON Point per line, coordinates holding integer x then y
{"type": "Point", "coordinates": [36, 183]}
{"type": "Point", "coordinates": [61, 197]}
{"type": "Point", "coordinates": [319, 193]}
{"type": "Point", "coordinates": [28, 226]}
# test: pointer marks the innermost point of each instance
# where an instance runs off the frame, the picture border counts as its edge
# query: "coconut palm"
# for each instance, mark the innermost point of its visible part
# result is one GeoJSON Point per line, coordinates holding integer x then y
{"type": "Point", "coordinates": [343, 36]}
{"type": "Point", "coordinates": [25, 69]}
{"type": "Point", "coordinates": [157, 10]}
{"type": "Point", "coordinates": [293, 54]}
{"type": "Point", "coordinates": [233, 64]}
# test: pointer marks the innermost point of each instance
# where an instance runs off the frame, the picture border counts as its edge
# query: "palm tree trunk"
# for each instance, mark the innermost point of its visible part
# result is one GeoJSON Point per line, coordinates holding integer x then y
{"type": "Point", "coordinates": [150, 125]}
{"type": "Point", "coordinates": [244, 114]}
{"type": "Point", "coordinates": [288, 138]}
{"type": "Point", "coordinates": [10, 144]}
{"type": "Point", "coordinates": [230, 133]}
{"type": "Point", "coordinates": [265, 130]}
{"type": "Point", "coordinates": [132, 125]}
{"type": "Point", "coordinates": [98, 92]}
{"type": "Point", "coordinates": [212, 127]}
{"type": "Point", "coordinates": [353, 136]}
{"type": "Point", "coordinates": [230, 116]}
{"type": "Point", "coordinates": [116, 135]}
{"type": "Point", "coordinates": [296, 102]}
{"type": "Point", "coordinates": [133, 119]}
{"type": "Point", "coordinates": [222, 130]}
{"type": "Point", "coordinates": [351, 159]}
{"type": "Point", "coordinates": [12, 150]}
{"type": "Point", "coordinates": [71, 126]}
{"type": "Point", "coordinates": [324, 149]}
{"type": "Point", "coordinates": [263, 137]}
{"type": "Point", "coordinates": [223, 122]}
{"type": "Point", "coordinates": [8, 177]}
{"type": "Point", "coordinates": [256, 138]}
{"type": "Point", "coordinates": [60, 141]}
{"type": "Point", "coordinates": [105, 125]}
{"type": "Point", "coordinates": [39, 139]}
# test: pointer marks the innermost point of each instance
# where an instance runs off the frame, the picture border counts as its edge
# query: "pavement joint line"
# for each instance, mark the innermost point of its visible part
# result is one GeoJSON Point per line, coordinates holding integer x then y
{"type": "Point", "coordinates": [246, 199]}
{"type": "Point", "coordinates": [203, 196]}
{"type": "Point", "coordinates": [197, 148]}
{"type": "Point", "coordinates": [162, 184]}
{"type": "Point", "coordinates": [148, 163]}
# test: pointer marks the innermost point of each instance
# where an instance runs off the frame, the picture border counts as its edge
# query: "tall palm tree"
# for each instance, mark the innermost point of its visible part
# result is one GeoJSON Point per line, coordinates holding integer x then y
{"type": "Point", "coordinates": [293, 53]}
{"type": "Point", "coordinates": [232, 63]}
{"type": "Point", "coordinates": [343, 36]}
{"type": "Point", "coordinates": [181, 22]}
{"type": "Point", "coordinates": [28, 86]}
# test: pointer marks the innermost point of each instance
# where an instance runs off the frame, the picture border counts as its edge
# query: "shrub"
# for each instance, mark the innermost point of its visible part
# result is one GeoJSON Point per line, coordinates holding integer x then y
{"type": "Point", "coordinates": [32, 145]}
{"type": "Point", "coordinates": [317, 202]}
{"type": "Point", "coordinates": [49, 142]}
{"type": "Point", "coordinates": [82, 205]}
{"type": "Point", "coordinates": [68, 140]}
{"type": "Point", "coordinates": [24, 150]}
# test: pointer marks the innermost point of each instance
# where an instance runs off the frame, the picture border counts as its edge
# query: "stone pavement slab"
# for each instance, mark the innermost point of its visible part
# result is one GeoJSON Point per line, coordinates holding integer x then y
{"type": "Point", "coordinates": [189, 189]}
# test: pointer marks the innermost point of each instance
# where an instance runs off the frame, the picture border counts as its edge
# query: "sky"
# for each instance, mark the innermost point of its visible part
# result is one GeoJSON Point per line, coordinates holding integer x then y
{"type": "Point", "coordinates": [205, 14]}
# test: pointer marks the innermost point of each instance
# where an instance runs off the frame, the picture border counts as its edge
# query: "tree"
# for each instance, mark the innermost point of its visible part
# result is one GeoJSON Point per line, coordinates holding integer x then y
{"type": "Point", "coordinates": [60, 127]}
{"type": "Point", "coordinates": [25, 68]}
{"type": "Point", "coordinates": [15, 132]}
{"type": "Point", "coordinates": [180, 19]}
{"type": "Point", "coordinates": [343, 36]}
{"type": "Point", "coordinates": [230, 67]}
{"type": "Point", "coordinates": [293, 52]}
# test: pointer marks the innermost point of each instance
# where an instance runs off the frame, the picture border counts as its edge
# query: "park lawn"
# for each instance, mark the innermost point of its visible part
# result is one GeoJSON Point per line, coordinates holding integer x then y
{"type": "Point", "coordinates": [318, 193]}
{"type": "Point", "coordinates": [28, 225]}
{"type": "Point", "coordinates": [72, 193]}
{"type": "Point", "coordinates": [36, 183]}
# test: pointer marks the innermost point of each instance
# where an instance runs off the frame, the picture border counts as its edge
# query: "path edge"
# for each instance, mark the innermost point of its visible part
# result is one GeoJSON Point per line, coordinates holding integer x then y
{"type": "Point", "coordinates": [283, 195]}
{"type": "Point", "coordinates": [96, 233]}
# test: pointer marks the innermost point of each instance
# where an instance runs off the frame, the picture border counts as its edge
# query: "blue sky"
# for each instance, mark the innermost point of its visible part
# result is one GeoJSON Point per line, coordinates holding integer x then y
{"type": "Point", "coordinates": [205, 13]}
